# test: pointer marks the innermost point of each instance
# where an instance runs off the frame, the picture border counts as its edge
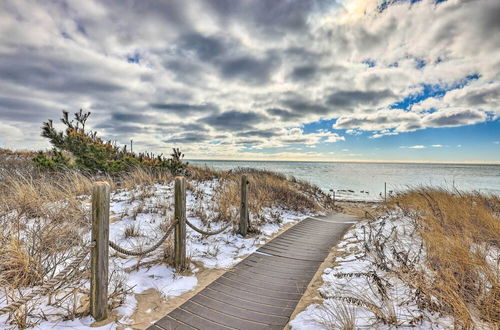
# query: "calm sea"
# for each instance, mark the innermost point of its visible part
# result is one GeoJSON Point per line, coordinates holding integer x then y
{"type": "Point", "coordinates": [365, 181]}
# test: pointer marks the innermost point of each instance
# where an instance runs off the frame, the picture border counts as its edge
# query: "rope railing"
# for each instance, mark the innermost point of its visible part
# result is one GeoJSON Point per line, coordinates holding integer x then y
{"type": "Point", "coordinates": [45, 288]}
{"type": "Point", "coordinates": [369, 215]}
{"type": "Point", "coordinates": [99, 261]}
{"type": "Point", "coordinates": [148, 250]}
{"type": "Point", "coordinates": [208, 233]}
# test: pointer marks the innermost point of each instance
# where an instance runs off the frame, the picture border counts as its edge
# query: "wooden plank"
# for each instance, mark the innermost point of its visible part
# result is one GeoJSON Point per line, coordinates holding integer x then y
{"type": "Point", "coordinates": [233, 322]}
{"type": "Point", "coordinates": [168, 323]}
{"type": "Point", "coordinates": [276, 286]}
{"type": "Point", "coordinates": [295, 253]}
{"type": "Point", "coordinates": [269, 281]}
{"type": "Point", "coordinates": [195, 321]}
{"type": "Point", "coordinates": [262, 291]}
{"type": "Point", "coordinates": [280, 262]}
{"type": "Point", "coordinates": [240, 311]}
{"type": "Point", "coordinates": [256, 298]}
{"type": "Point", "coordinates": [255, 289]}
{"type": "Point", "coordinates": [270, 277]}
{"type": "Point", "coordinates": [270, 272]}
{"type": "Point", "coordinates": [100, 252]}
{"type": "Point", "coordinates": [239, 301]}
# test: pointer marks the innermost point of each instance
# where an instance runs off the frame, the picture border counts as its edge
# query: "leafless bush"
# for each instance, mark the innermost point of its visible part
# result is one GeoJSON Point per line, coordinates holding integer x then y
{"type": "Point", "coordinates": [337, 315]}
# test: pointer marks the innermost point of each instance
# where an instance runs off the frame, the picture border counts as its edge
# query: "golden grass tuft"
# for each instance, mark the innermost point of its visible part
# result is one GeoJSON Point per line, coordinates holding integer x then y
{"type": "Point", "coordinates": [19, 269]}
{"type": "Point", "coordinates": [461, 233]}
{"type": "Point", "coordinates": [266, 190]}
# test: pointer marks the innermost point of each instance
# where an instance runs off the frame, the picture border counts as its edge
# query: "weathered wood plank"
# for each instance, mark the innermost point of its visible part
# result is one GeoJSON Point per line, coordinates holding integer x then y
{"type": "Point", "coordinates": [262, 291]}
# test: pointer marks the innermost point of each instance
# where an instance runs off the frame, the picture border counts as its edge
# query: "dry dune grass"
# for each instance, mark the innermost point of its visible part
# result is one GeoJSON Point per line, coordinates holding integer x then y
{"type": "Point", "coordinates": [267, 189]}
{"type": "Point", "coordinates": [41, 219]}
{"type": "Point", "coordinates": [55, 201]}
{"type": "Point", "coordinates": [461, 233]}
{"type": "Point", "coordinates": [43, 215]}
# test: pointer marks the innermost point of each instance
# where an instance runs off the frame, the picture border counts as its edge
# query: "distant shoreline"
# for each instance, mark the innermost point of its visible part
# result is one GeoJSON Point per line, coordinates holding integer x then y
{"type": "Point", "coordinates": [344, 161]}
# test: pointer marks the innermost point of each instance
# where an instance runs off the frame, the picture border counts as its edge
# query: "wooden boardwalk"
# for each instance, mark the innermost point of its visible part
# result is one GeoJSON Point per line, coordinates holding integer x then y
{"type": "Point", "coordinates": [262, 291]}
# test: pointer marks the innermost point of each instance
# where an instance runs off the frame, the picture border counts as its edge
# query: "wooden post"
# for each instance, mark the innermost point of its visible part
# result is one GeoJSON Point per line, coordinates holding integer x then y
{"type": "Point", "coordinates": [180, 227]}
{"type": "Point", "coordinates": [385, 191]}
{"type": "Point", "coordinates": [243, 228]}
{"type": "Point", "coordinates": [100, 252]}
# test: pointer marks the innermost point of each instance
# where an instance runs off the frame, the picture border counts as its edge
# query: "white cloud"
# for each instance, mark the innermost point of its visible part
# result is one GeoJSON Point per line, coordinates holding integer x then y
{"type": "Point", "coordinates": [174, 75]}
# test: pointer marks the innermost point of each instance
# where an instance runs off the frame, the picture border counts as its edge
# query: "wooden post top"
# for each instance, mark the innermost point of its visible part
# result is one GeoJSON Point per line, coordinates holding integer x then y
{"type": "Point", "coordinates": [101, 183]}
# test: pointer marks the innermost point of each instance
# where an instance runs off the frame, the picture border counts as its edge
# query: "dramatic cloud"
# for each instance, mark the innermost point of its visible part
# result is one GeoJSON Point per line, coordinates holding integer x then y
{"type": "Point", "coordinates": [248, 76]}
{"type": "Point", "coordinates": [454, 117]}
{"type": "Point", "coordinates": [380, 120]}
{"type": "Point", "coordinates": [234, 120]}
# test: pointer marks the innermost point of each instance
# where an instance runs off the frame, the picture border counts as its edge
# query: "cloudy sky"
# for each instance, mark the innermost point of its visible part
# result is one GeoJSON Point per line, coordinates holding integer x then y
{"type": "Point", "coordinates": [259, 79]}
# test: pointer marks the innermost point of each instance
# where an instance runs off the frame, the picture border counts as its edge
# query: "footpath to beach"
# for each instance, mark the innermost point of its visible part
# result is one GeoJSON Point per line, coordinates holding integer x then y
{"type": "Point", "coordinates": [262, 291]}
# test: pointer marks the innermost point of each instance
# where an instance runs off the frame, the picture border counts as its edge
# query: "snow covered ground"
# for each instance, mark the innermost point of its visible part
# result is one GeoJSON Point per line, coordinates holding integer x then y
{"type": "Point", "coordinates": [364, 288]}
{"type": "Point", "coordinates": [137, 217]}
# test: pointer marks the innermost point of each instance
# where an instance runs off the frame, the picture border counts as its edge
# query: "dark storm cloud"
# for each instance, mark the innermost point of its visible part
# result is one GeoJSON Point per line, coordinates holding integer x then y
{"type": "Point", "coordinates": [132, 117]}
{"type": "Point", "coordinates": [258, 133]}
{"type": "Point", "coordinates": [379, 120]}
{"type": "Point", "coordinates": [489, 21]}
{"type": "Point", "coordinates": [303, 106]}
{"type": "Point", "coordinates": [213, 54]}
{"type": "Point", "coordinates": [349, 99]}
{"type": "Point", "coordinates": [122, 129]}
{"type": "Point", "coordinates": [26, 110]}
{"type": "Point", "coordinates": [248, 142]}
{"type": "Point", "coordinates": [302, 54]}
{"type": "Point", "coordinates": [173, 127]}
{"type": "Point", "coordinates": [206, 48]}
{"type": "Point", "coordinates": [234, 120]}
{"type": "Point", "coordinates": [194, 127]}
{"type": "Point", "coordinates": [190, 137]}
{"type": "Point", "coordinates": [269, 17]}
{"type": "Point", "coordinates": [486, 97]}
{"type": "Point", "coordinates": [249, 69]}
{"type": "Point", "coordinates": [304, 72]}
{"type": "Point", "coordinates": [454, 117]}
{"type": "Point", "coordinates": [283, 114]}
{"type": "Point", "coordinates": [52, 72]}
{"type": "Point", "coordinates": [189, 72]}
{"type": "Point", "coordinates": [184, 108]}
{"type": "Point", "coordinates": [482, 98]}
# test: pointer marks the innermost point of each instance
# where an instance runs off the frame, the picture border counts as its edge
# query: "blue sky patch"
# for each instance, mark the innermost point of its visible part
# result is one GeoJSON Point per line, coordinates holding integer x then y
{"type": "Point", "coordinates": [429, 90]}
{"type": "Point", "coordinates": [134, 58]}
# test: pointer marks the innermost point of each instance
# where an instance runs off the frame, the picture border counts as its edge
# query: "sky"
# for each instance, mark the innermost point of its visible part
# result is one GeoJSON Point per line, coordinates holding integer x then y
{"type": "Point", "coordinates": [309, 80]}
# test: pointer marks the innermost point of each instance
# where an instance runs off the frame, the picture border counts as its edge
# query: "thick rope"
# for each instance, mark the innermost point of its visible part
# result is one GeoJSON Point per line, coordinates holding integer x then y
{"type": "Point", "coordinates": [143, 252]}
{"type": "Point", "coordinates": [49, 284]}
{"type": "Point", "coordinates": [208, 233]}
{"type": "Point", "coordinates": [369, 215]}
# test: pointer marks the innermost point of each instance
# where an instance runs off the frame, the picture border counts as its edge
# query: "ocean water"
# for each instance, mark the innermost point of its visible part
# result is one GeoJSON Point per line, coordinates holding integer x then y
{"type": "Point", "coordinates": [365, 181]}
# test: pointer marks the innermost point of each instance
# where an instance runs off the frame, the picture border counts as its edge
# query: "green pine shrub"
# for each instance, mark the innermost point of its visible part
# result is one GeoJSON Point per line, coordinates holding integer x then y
{"type": "Point", "coordinates": [95, 155]}
{"type": "Point", "coordinates": [51, 161]}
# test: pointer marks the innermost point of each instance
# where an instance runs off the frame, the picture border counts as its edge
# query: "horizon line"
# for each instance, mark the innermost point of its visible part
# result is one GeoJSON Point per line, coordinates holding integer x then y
{"type": "Point", "coordinates": [430, 162]}
{"type": "Point", "coordinates": [381, 161]}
